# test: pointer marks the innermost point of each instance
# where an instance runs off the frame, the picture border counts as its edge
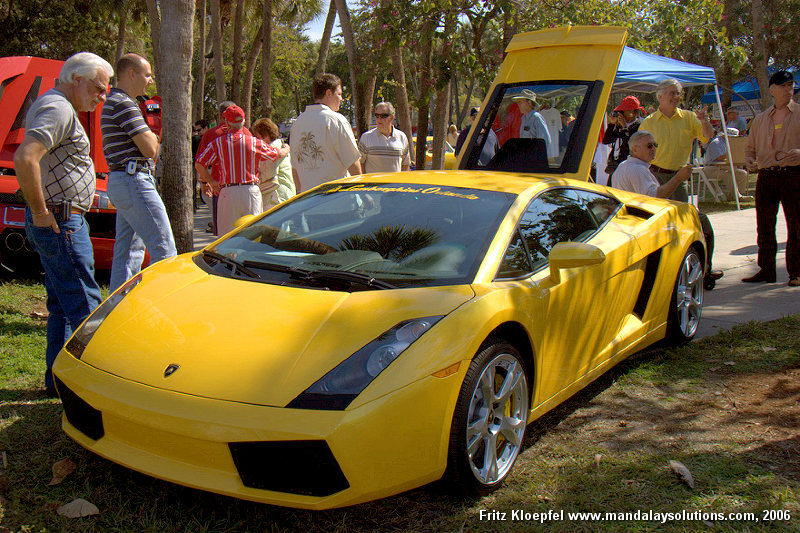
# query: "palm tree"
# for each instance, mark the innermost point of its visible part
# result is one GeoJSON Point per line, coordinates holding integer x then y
{"type": "Point", "coordinates": [392, 242]}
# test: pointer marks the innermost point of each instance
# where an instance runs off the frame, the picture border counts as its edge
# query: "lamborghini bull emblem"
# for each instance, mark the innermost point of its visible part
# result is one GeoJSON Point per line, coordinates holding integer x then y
{"type": "Point", "coordinates": [171, 369]}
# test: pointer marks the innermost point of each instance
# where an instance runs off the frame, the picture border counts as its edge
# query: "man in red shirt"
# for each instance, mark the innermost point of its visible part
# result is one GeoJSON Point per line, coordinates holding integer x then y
{"type": "Point", "coordinates": [234, 157]}
{"type": "Point", "coordinates": [209, 135]}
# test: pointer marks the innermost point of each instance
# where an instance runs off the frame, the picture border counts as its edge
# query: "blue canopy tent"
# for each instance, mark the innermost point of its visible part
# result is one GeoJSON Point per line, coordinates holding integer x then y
{"type": "Point", "coordinates": [642, 72]}
{"type": "Point", "coordinates": [748, 89]}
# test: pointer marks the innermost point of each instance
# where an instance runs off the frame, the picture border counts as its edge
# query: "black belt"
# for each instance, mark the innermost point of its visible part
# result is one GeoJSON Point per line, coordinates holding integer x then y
{"type": "Point", "coordinates": [237, 184]}
{"type": "Point", "coordinates": [782, 169]}
{"type": "Point", "coordinates": [656, 168]}
{"type": "Point", "coordinates": [124, 167]}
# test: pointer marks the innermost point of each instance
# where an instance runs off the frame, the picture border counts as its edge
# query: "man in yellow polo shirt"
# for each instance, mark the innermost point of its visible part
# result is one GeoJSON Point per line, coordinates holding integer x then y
{"type": "Point", "coordinates": [674, 130]}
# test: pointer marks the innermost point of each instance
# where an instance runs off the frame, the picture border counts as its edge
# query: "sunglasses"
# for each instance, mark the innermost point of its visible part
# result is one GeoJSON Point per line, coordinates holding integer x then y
{"type": "Point", "coordinates": [382, 115]}
{"type": "Point", "coordinates": [650, 146]}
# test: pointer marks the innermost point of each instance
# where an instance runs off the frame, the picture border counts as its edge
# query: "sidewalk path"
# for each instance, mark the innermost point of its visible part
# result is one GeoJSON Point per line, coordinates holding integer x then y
{"type": "Point", "coordinates": [731, 302]}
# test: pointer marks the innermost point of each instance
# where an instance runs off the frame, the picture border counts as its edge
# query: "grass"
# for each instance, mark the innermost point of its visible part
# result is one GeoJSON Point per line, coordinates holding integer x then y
{"type": "Point", "coordinates": [605, 449]}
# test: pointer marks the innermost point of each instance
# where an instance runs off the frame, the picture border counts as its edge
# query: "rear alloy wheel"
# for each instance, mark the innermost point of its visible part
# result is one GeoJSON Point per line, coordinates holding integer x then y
{"type": "Point", "coordinates": [489, 420]}
{"type": "Point", "coordinates": [687, 300]}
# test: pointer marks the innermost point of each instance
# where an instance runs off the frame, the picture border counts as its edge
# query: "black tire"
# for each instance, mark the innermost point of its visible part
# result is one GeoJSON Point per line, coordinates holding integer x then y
{"type": "Point", "coordinates": [478, 427]}
{"type": "Point", "coordinates": [686, 305]}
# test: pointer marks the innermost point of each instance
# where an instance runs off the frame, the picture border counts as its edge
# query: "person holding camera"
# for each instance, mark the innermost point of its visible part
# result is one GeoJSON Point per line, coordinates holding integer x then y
{"type": "Point", "coordinates": [624, 122]}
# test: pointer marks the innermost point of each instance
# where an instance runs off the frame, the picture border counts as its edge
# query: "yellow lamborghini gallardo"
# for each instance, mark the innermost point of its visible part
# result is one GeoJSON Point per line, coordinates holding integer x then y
{"type": "Point", "coordinates": [381, 332]}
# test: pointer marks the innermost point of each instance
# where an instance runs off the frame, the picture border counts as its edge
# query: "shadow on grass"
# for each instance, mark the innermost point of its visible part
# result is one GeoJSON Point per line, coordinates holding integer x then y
{"type": "Point", "coordinates": [11, 328]}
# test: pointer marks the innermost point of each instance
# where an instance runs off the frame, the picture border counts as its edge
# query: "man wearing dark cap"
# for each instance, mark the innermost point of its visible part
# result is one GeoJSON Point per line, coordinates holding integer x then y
{"type": "Point", "coordinates": [623, 123]}
{"type": "Point", "coordinates": [462, 135]}
{"type": "Point", "coordinates": [773, 149]}
{"type": "Point", "coordinates": [237, 155]}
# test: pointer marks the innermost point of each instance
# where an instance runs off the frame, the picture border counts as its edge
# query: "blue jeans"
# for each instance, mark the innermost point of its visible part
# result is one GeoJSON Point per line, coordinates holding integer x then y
{"type": "Point", "coordinates": [141, 222]}
{"type": "Point", "coordinates": [72, 292]}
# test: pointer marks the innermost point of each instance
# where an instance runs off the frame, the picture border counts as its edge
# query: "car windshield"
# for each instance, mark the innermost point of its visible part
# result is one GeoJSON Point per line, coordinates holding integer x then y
{"type": "Point", "coordinates": [534, 127]}
{"type": "Point", "coordinates": [363, 236]}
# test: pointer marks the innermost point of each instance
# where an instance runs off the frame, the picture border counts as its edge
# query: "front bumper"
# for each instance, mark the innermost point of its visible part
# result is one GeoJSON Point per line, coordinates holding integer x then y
{"type": "Point", "coordinates": [384, 447]}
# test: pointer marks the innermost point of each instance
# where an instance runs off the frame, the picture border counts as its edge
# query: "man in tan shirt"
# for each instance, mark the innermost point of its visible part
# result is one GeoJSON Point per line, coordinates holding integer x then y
{"type": "Point", "coordinates": [773, 149]}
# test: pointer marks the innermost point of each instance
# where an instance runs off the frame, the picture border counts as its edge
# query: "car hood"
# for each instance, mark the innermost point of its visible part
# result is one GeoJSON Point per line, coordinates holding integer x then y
{"type": "Point", "coordinates": [246, 341]}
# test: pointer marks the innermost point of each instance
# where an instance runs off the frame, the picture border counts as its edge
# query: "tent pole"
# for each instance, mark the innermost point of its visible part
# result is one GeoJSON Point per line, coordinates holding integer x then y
{"type": "Point", "coordinates": [728, 148]}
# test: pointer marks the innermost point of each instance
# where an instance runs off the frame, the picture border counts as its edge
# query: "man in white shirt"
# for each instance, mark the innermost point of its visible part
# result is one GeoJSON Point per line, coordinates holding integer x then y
{"type": "Point", "coordinates": [532, 125]}
{"type": "Point", "coordinates": [323, 146]}
{"type": "Point", "coordinates": [384, 148]}
{"type": "Point", "coordinates": [634, 175]}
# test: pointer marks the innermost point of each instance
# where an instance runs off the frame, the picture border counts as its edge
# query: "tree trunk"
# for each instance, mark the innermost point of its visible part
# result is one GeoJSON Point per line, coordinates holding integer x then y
{"type": "Point", "coordinates": [462, 114]}
{"type": "Point", "coordinates": [176, 153]}
{"type": "Point", "coordinates": [199, 86]}
{"type": "Point", "coordinates": [123, 19]}
{"type": "Point", "coordinates": [247, 85]}
{"type": "Point", "coordinates": [366, 91]}
{"type": "Point", "coordinates": [155, 36]}
{"type": "Point", "coordinates": [216, 40]}
{"type": "Point", "coordinates": [401, 95]}
{"type": "Point", "coordinates": [425, 83]}
{"type": "Point", "coordinates": [352, 58]}
{"type": "Point", "coordinates": [266, 61]}
{"type": "Point", "coordinates": [442, 111]}
{"type": "Point", "coordinates": [237, 51]}
{"type": "Point", "coordinates": [759, 58]}
{"type": "Point", "coordinates": [440, 115]}
{"type": "Point", "coordinates": [325, 41]}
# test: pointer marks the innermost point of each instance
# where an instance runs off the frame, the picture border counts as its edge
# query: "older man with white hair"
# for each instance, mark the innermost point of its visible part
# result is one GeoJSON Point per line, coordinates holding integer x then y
{"type": "Point", "coordinates": [384, 148]}
{"type": "Point", "coordinates": [674, 130]}
{"type": "Point", "coordinates": [56, 174]}
{"type": "Point", "coordinates": [634, 175]}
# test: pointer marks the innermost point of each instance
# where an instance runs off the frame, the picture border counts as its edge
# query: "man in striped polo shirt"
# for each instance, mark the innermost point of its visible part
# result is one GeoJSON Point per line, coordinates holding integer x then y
{"type": "Point", "coordinates": [384, 148]}
{"type": "Point", "coordinates": [131, 150]}
{"type": "Point", "coordinates": [237, 155]}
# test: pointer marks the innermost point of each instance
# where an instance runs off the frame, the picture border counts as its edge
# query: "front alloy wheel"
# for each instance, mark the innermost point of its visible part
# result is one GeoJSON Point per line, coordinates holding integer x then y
{"type": "Point", "coordinates": [489, 421]}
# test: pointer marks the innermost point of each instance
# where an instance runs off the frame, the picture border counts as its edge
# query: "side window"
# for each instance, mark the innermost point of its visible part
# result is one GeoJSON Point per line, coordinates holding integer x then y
{"type": "Point", "coordinates": [553, 217]}
{"type": "Point", "coordinates": [515, 262]}
{"type": "Point", "coordinates": [601, 208]}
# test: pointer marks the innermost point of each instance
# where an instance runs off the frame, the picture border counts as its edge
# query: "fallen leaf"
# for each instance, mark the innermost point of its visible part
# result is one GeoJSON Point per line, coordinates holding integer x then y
{"type": "Point", "coordinates": [597, 458]}
{"type": "Point", "coordinates": [623, 423]}
{"type": "Point", "coordinates": [729, 363]}
{"type": "Point", "coordinates": [768, 349]}
{"type": "Point", "coordinates": [682, 472]}
{"type": "Point", "coordinates": [78, 508]}
{"type": "Point", "coordinates": [50, 506]}
{"type": "Point", "coordinates": [62, 469]}
{"type": "Point", "coordinates": [37, 314]}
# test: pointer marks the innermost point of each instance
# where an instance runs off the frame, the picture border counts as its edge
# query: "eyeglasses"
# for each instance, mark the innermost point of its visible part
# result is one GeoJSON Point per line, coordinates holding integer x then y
{"type": "Point", "coordinates": [98, 87]}
{"type": "Point", "coordinates": [650, 146]}
{"type": "Point", "coordinates": [382, 115]}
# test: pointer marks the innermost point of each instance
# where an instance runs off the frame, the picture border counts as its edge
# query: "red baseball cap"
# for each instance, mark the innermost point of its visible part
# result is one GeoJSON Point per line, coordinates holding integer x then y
{"type": "Point", "coordinates": [233, 114]}
{"type": "Point", "coordinates": [629, 103]}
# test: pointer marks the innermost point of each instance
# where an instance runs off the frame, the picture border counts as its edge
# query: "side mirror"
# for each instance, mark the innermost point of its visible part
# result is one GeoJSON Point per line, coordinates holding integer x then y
{"type": "Point", "coordinates": [572, 255]}
{"type": "Point", "coordinates": [243, 220]}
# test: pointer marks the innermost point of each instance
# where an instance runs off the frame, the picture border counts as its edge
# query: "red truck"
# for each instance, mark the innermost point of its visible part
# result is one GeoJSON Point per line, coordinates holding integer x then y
{"type": "Point", "coordinates": [22, 80]}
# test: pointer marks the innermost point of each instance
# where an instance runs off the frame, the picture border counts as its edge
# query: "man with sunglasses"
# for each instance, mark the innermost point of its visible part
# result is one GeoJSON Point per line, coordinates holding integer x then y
{"type": "Point", "coordinates": [55, 171]}
{"type": "Point", "coordinates": [384, 148]}
{"type": "Point", "coordinates": [674, 129]}
{"type": "Point", "coordinates": [634, 175]}
{"type": "Point", "coordinates": [773, 150]}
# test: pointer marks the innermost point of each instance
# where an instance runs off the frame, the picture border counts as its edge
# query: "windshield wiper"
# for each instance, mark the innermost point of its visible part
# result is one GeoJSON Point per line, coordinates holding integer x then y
{"type": "Point", "coordinates": [235, 265]}
{"type": "Point", "coordinates": [321, 275]}
{"type": "Point", "coordinates": [346, 275]}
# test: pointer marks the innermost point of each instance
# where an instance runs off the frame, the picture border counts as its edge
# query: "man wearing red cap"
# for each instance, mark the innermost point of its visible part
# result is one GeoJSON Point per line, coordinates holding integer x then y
{"type": "Point", "coordinates": [624, 122]}
{"type": "Point", "coordinates": [237, 156]}
{"type": "Point", "coordinates": [773, 149]}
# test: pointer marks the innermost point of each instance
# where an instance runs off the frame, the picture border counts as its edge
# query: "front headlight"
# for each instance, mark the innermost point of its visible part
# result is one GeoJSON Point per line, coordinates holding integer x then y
{"type": "Point", "coordinates": [339, 387]}
{"type": "Point", "coordinates": [80, 339]}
